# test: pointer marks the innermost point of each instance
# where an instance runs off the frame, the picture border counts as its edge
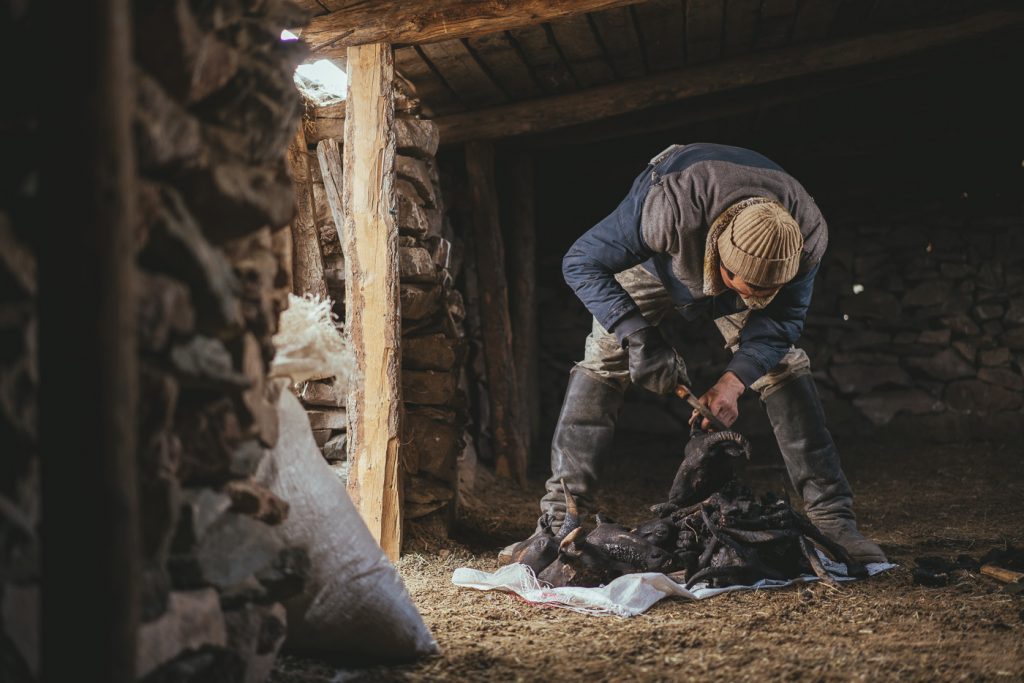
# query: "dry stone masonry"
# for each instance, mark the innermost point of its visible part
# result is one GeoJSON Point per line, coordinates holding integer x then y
{"type": "Point", "coordinates": [433, 346]}
{"type": "Point", "coordinates": [918, 318]}
{"type": "Point", "coordinates": [216, 109]}
{"type": "Point", "coordinates": [215, 196]}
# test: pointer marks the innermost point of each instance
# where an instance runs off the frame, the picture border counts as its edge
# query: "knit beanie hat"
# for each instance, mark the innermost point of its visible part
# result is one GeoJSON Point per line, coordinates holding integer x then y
{"type": "Point", "coordinates": [762, 245]}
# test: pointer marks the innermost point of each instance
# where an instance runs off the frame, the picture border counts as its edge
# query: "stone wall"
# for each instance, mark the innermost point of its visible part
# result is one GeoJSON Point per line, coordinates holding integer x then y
{"type": "Point", "coordinates": [433, 345]}
{"type": "Point", "coordinates": [212, 135]}
{"type": "Point", "coordinates": [918, 317]}
{"type": "Point", "coordinates": [215, 108]}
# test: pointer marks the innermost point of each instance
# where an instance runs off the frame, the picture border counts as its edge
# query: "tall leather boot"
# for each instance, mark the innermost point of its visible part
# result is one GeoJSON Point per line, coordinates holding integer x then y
{"type": "Point", "coordinates": [582, 440]}
{"type": "Point", "coordinates": [813, 464]}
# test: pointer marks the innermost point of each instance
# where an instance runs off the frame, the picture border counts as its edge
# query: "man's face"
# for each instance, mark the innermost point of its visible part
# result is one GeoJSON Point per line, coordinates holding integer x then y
{"type": "Point", "coordinates": [743, 288]}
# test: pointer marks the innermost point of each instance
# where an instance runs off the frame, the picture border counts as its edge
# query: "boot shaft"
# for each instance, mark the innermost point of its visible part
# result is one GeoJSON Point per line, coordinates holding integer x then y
{"type": "Point", "coordinates": [808, 450]}
{"type": "Point", "coordinates": [582, 440]}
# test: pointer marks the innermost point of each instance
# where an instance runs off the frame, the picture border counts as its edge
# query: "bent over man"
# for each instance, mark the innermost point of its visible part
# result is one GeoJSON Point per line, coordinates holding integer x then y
{"type": "Point", "coordinates": [711, 229]}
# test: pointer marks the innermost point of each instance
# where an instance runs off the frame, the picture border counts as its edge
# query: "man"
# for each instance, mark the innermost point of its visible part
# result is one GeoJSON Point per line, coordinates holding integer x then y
{"type": "Point", "coordinates": [705, 229]}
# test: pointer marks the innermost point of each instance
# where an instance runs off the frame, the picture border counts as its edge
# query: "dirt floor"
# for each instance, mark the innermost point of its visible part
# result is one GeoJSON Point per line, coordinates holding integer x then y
{"type": "Point", "coordinates": [915, 501]}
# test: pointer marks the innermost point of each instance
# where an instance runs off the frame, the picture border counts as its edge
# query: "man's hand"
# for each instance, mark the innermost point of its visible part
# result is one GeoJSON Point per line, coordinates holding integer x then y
{"type": "Point", "coordinates": [721, 400]}
{"type": "Point", "coordinates": [653, 363]}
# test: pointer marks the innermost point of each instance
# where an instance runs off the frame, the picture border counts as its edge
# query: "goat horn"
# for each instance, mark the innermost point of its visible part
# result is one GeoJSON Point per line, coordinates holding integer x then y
{"type": "Point", "coordinates": [736, 437]}
{"type": "Point", "coordinates": [572, 519]}
{"type": "Point", "coordinates": [570, 502]}
{"type": "Point", "coordinates": [569, 538]}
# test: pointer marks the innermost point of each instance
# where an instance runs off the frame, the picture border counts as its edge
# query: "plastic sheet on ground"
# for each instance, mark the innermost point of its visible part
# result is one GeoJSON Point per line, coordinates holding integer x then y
{"type": "Point", "coordinates": [626, 596]}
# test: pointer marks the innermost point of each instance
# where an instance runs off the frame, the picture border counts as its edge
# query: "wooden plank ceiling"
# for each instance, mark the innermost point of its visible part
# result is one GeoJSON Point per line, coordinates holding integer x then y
{"type": "Point", "coordinates": [627, 42]}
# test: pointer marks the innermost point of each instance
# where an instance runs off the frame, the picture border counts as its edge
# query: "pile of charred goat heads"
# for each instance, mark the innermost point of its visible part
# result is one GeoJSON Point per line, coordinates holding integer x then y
{"type": "Point", "coordinates": [711, 530]}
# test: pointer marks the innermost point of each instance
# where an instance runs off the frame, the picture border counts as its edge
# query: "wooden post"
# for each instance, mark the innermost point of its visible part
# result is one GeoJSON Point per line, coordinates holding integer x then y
{"type": "Point", "coordinates": [369, 239]}
{"type": "Point", "coordinates": [90, 555]}
{"type": "Point", "coordinates": [307, 259]}
{"type": "Point", "coordinates": [509, 447]}
{"type": "Point", "coordinates": [521, 237]}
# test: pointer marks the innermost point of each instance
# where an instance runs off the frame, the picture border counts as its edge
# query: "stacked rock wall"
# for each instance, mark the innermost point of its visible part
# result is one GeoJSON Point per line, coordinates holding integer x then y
{"type": "Point", "coordinates": [215, 108]}
{"type": "Point", "coordinates": [918, 317]}
{"type": "Point", "coordinates": [211, 136]}
{"type": "Point", "coordinates": [433, 347]}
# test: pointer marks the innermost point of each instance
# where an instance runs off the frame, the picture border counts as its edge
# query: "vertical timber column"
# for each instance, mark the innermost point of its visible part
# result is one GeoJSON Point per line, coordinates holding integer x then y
{"type": "Point", "coordinates": [509, 439]}
{"type": "Point", "coordinates": [90, 555]}
{"type": "Point", "coordinates": [307, 261]}
{"type": "Point", "coordinates": [521, 238]}
{"type": "Point", "coordinates": [372, 316]}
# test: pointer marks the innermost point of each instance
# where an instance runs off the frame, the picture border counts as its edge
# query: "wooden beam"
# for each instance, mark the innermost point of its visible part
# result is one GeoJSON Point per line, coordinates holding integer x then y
{"type": "Point", "coordinates": [307, 259]}
{"type": "Point", "coordinates": [324, 122]}
{"type": "Point", "coordinates": [550, 113]}
{"type": "Point", "coordinates": [521, 238]}
{"type": "Point", "coordinates": [704, 19]}
{"type": "Point", "coordinates": [533, 45]}
{"type": "Point", "coordinates": [88, 374]}
{"type": "Point", "coordinates": [505, 64]}
{"type": "Point", "coordinates": [618, 33]}
{"type": "Point", "coordinates": [508, 441]}
{"type": "Point", "coordinates": [357, 22]}
{"type": "Point", "coordinates": [722, 105]}
{"type": "Point", "coordinates": [814, 19]}
{"type": "Point", "coordinates": [663, 26]}
{"type": "Point", "coordinates": [740, 26]}
{"type": "Point", "coordinates": [463, 74]}
{"type": "Point", "coordinates": [429, 86]}
{"type": "Point", "coordinates": [369, 239]}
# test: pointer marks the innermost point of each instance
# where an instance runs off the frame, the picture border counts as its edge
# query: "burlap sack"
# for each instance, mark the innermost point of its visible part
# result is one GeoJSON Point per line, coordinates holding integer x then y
{"type": "Point", "coordinates": [354, 604]}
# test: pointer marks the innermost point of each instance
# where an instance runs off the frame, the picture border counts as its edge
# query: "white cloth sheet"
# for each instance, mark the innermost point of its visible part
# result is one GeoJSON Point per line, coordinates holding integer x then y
{"type": "Point", "coordinates": [626, 596]}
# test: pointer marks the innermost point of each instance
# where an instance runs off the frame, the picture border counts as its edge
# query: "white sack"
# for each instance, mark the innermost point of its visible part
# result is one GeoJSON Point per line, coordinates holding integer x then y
{"type": "Point", "coordinates": [354, 603]}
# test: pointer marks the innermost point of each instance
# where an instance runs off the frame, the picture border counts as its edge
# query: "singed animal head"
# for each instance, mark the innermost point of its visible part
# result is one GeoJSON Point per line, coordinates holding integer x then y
{"type": "Point", "coordinates": [657, 532]}
{"type": "Point", "coordinates": [706, 465]}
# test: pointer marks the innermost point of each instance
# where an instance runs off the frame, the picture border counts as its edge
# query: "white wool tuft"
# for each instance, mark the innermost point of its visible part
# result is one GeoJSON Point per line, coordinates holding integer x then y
{"type": "Point", "coordinates": [310, 346]}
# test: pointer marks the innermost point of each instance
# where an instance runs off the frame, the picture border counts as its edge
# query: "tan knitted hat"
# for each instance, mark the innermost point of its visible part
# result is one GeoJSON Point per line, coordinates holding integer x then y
{"type": "Point", "coordinates": [762, 245]}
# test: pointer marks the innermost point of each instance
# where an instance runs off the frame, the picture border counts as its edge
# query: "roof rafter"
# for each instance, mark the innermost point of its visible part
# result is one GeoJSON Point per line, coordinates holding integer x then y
{"type": "Point", "coordinates": [404, 22]}
{"type": "Point", "coordinates": [533, 116]}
